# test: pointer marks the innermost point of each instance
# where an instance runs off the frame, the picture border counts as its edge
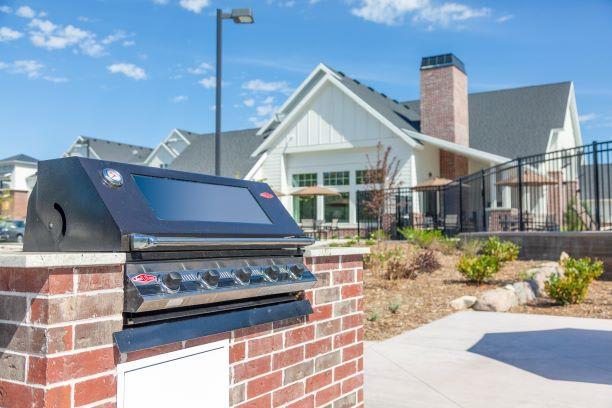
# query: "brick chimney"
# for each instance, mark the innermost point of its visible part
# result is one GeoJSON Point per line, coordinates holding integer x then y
{"type": "Point", "coordinates": [444, 108]}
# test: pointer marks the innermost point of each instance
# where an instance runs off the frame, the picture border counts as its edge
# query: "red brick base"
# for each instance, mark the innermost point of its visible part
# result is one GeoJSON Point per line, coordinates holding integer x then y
{"type": "Point", "coordinates": [56, 347]}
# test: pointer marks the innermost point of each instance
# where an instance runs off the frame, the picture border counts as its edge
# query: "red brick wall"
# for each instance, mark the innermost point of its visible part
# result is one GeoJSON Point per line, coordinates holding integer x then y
{"type": "Point", "coordinates": [55, 335]}
{"type": "Point", "coordinates": [444, 114]}
{"type": "Point", "coordinates": [56, 348]}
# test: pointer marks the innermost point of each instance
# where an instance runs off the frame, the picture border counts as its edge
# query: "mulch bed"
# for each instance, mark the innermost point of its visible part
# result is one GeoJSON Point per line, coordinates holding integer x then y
{"type": "Point", "coordinates": [426, 298]}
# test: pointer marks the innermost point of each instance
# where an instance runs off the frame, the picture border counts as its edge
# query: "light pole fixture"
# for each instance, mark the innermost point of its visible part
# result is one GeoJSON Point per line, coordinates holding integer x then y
{"type": "Point", "coordinates": [239, 16]}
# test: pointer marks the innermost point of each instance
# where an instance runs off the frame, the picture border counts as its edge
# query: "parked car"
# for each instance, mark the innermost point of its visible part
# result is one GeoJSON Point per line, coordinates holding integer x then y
{"type": "Point", "coordinates": [12, 231]}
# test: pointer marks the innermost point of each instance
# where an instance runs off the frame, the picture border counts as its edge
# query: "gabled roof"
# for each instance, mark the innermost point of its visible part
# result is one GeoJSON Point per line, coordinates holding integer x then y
{"type": "Point", "coordinates": [20, 157]}
{"type": "Point", "coordinates": [119, 152]}
{"type": "Point", "coordinates": [236, 148]}
{"type": "Point", "coordinates": [514, 122]}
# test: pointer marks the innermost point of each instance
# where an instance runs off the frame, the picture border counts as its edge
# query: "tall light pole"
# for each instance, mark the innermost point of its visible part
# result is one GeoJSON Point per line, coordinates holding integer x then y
{"type": "Point", "coordinates": [239, 16]}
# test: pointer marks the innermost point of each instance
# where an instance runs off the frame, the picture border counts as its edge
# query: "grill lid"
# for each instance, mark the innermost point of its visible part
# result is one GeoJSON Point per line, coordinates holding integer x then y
{"type": "Point", "coordinates": [81, 204]}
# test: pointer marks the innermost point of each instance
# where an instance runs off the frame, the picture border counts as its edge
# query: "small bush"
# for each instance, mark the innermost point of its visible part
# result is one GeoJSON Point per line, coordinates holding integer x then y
{"type": "Point", "coordinates": [379, 235]}
{"type": "Point", "coordinates": [573, 286]}
{"type": "Point", "coordinates": [398, 263]}
{"type": "Point", "coordinates": [394, 306]}
{"type": "Point", "coordinates": [471, 247]}
{"type": "Point", "coordinates": [372, 317]}
{"type": "Point", "coordinates": [478, 268]}
{"type": "Point", "coordinates": [504, 251]}
{"type": "Point", "coordinates": [433, 239]}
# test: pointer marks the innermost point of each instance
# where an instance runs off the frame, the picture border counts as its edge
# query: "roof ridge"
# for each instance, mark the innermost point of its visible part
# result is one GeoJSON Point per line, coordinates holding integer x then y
{"type": "Point", "coordinates": [113, 141]}
{"type": "Point", "coordinates": [521, 87]}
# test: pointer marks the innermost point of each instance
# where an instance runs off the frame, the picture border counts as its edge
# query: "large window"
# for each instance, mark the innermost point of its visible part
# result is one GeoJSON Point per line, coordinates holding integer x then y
{"type": "Point", "coordinates": [360, 177]}
{"type": "Point", "coordinates": [337, 207]}
{"type": "Point", "coordinates": [336, 178]}
{"type": "Point", "coordinates": [304, 208]}
{"type": "Point", "coordinates": [304, 180]}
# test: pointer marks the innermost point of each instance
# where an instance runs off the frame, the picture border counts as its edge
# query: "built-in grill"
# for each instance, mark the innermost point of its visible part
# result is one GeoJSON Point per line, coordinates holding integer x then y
{"type": "Point", "coordinates": [204, 254]}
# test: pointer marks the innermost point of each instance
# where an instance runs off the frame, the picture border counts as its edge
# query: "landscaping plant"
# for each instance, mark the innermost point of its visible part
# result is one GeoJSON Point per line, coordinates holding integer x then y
{"type": "Point", "coordinates": [427, 238]}
{"type": "Point", "coordinates": [573, 286]}
{"type": "Point", "coordinates": [504, 251]}
{"type": "Point", "coordinates": [398, 263]}
{"type": "Point", "coordinates": [478, 268]}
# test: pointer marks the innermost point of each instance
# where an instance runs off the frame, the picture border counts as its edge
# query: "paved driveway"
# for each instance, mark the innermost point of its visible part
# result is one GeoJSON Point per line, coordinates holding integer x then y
{"type": "Point", "coordinates": [480, 359]}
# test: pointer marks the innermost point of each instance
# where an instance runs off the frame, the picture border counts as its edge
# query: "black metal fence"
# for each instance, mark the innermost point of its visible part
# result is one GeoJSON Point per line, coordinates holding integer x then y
{"type": "Point", "coordinates": [564, 190]}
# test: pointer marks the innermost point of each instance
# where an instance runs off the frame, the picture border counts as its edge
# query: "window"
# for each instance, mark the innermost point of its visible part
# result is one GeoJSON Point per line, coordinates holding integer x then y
{"type": "Point", "coordinates": [337, 207]}
{"type": "Point", "coordinates": [336, 178]}
{"type": "Point", "coordinates": [304, 208]}
{"type": "Point", "coordinates": [360, 177]}
{"type": "Point", "coordinates": [304, 180]}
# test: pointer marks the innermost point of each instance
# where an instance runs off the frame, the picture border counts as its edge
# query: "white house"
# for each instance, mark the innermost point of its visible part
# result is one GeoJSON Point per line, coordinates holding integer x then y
{"type": "Point", "coordinates": [325, 132]}
{"type": "Point", "coordinates": [14, 172]}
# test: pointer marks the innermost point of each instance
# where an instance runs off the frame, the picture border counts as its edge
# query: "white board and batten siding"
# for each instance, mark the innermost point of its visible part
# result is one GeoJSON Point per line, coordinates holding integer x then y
{"type": "Point", "coordinates": [331, 133]}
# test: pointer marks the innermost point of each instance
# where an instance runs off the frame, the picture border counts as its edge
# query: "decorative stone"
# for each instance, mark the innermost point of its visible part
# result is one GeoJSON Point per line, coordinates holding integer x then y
{"type": "Point", "coordinates": [541, 275]}
{"type": "Point", "coordinates": [524, 292]}
{"type": "Point", "coordinates": [496, 300]}
{"type": "Point", "coordinates": [463, 302]}
{"type": "Point", "coordinates": [564, 257]}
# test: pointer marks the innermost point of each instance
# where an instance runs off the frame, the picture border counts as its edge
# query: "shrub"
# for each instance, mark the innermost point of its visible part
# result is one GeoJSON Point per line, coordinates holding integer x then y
{"type": "Point", "coordinates": [379, 235]}
{"type": "Point", "coordinates": [478, 268]}
{"type": "Point", "coordinates": [428, 238]}
{"type": "Point", "coordinates": [573, 286]}
{"type": "Point", "coordinates": [398, 263]}
{"type": "Point", "coordinates": [394, 306]}
{"type": "Point", "coordinates": [471, 246]}
{"type": "Point", "coordinates": [504, 251]}
{"type": "Point", "coordinates": [372, 317]}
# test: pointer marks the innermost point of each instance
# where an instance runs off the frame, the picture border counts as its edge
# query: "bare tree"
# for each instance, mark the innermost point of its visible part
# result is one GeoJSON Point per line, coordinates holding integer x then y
{"type": "Point", "coordinates": [380, 176]}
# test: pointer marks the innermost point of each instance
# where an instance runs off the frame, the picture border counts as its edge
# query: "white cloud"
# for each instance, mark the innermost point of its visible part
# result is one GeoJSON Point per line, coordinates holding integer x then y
{"type": "Point", "coordinates": [129, 70]}
{"type": "Point", "coordinates": [208, 82]}
{"type": "Point", "coordinates": [45, 34]}
{"type": "Point", "coordinates": [55, 80]}
{"type": "Point", "coordinates": [249, 102]}
{"type": "Point", "coordinates": [393, 12]}
{"type": "Point", "coordinates": [258, 85]}
{"type": "Point", "coordinates": [8, 34]}
{"type": "Point", "coordinates": [25, 12]}
{"type": "Point", "coordinates": [179, 98]}
{"type": "Point", "coordinates": [201, 69]}
{"type": "Point", "coordinates": [194, 5]}
{"type": "Point", "coordinates": [6, 9]}
{"type": "Point", "coordinates": [505, 18]}
{"type": "Point", "coordinates": [587, 117]}
{"type": "Point", "coordinates": [161, 2]}
{"type": "Point", "coordinates": [259, 122]}
{"type": "Point", "coordinates": [128, 43]}
{"type": "Point", "coordinates": [84, 19]}
{"type": "Point", "coordinates": [31, 69]}
{"type": "Point", "coordinates": [118, 35]}
{"type": "Point", "coordinates": [265, 110]}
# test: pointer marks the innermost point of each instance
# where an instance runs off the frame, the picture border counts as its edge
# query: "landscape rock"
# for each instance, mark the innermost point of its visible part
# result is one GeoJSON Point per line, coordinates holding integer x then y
{"type": "Point", "coordinates": [541, 275]}
{"type": "Point", "coordinates": [564, 257]}
{"type": "Point", "coordinates": [524, 292]}
{"type": "Point", "coordinates": [496, 300]}
{"type": "Point", "coordinates": [463, 302]}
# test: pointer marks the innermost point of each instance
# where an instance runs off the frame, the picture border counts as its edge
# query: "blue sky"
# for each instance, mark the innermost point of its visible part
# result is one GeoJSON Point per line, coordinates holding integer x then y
{"type": "Point", "coordinates": [132, 70]}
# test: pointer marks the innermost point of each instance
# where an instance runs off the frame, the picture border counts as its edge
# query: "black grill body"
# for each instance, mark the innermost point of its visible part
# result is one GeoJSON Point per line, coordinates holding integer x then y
{"type": "Point", "coordinates": [197, 246]}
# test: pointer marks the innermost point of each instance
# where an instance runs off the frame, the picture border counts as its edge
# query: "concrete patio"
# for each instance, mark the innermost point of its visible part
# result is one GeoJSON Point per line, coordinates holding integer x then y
{"type": "Point", "coordinates": [480, 359]}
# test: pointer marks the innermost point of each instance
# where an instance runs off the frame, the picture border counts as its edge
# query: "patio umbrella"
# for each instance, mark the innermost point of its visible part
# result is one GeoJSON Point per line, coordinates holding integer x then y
{"type": "Point", "coordinates": [432, 184]}
{"type": "Point", "coordinates": [529, 179]}
{"type": "Point", "coordinates": [315, 191]}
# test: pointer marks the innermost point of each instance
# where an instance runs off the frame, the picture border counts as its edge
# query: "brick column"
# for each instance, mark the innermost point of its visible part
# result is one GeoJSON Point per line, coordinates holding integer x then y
{"type": "Point", "coordinates": [58, 313]}
{"type": "Point", "coordinates": [57, 316]}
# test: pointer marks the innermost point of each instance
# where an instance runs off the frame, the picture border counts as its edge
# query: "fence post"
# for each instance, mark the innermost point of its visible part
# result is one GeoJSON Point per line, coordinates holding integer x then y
{"type": "Point", "coordinates": [357, 213]}
{"type": "Point", "coordinates": [520, 193]}
{"type": "Point", "coordinates": [484, 200]}
{"type": "Point", "coordinates": [596, 185]}
{"type": "Point", "coordinates": [460, 204]}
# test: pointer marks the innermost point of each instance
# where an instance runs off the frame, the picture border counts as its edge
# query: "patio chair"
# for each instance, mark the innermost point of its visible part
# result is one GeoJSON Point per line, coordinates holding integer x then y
{"type": "Point", "coordinates": [308, 226]}
{"type": "Point", "coordinates": [450, 222]}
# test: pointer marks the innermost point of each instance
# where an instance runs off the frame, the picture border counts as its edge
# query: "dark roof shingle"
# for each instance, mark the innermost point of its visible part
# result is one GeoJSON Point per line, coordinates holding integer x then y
{"type": "Point", "coordinates": [236, 149]}
{"type": "Point", "coordinates": [119, 152]}
{"type": "Point", "coordinates": [20, 157]}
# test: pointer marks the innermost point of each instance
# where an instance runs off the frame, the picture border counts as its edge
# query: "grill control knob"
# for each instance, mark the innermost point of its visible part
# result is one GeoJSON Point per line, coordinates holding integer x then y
{"type": "Point", "coordinates": [172, 281]}
{"type": "Point", "coordinates": [296, 271]}
{"type": "Point", "coordinates": [210, 279]}
{"type": "Point", "coordinates": [271, 273]}
{"type": "Point", "coordinates": [242, 276]}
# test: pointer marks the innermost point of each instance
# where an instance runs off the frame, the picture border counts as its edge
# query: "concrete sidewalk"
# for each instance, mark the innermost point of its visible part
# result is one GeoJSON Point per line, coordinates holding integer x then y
{"type": "Point", "coordinates": [480, 359]}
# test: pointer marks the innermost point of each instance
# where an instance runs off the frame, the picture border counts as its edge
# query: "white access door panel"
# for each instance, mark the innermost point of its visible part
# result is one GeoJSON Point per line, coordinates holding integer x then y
{"type": "Point", "coordinates": [197, 377]}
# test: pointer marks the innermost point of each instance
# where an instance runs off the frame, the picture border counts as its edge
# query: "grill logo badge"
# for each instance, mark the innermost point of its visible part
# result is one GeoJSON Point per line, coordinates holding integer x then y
{"type": "Point", "coordinates": [267, 195]}
{"type": "Point", "coordinates": [112, 177]}
{"type": "Point", "coordinates": [143, 278]}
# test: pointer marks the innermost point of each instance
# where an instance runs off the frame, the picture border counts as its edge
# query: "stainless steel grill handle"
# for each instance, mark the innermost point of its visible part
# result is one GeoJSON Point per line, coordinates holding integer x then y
{"type": "Point", "coordinates": [140, 242]}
